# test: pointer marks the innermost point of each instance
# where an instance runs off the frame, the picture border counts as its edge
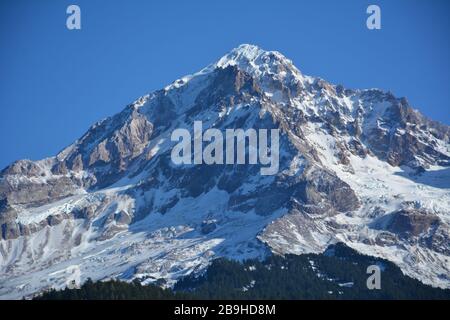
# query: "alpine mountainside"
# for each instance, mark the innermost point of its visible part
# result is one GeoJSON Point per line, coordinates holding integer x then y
{"type": "Point", "coordinates": [338, 273]}
{"type": "Point", "coordinates": [355, 166]}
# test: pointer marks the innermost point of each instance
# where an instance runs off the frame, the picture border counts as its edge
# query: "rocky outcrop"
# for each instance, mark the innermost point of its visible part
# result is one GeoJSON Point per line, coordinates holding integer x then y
{"type": "Point", "coordinates": [410, 222]}
{"type": "Point", "coordinates": [402, 136]}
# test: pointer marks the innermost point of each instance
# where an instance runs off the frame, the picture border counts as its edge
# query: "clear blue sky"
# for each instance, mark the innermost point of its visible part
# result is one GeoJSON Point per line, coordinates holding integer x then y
{"type": "Point", "coordinates": [55, 83]}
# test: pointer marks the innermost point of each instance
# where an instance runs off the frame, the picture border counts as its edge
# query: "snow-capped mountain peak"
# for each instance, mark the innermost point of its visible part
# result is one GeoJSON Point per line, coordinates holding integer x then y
{"type": "Point", "coordinates": [248, 55]}
{"type": "Point", "coordinates": [260, 63]}
{"type": "Point", "coordinates": [356, 166]}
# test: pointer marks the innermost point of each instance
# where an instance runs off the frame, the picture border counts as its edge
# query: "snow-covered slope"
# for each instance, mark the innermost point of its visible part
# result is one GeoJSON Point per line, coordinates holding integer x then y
{"type": "Point", "coordinates": [357, 166]}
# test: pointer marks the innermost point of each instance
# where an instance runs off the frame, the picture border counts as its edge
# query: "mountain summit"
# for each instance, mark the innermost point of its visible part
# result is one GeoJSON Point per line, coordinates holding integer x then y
{"type": "Point", "coordinates": [254, 60]}
{"type": "Point", "coordinates": [355, 166]}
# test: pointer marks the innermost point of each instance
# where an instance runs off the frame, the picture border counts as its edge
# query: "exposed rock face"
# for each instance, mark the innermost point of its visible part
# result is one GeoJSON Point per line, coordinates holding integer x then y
{"type": "Point", "coordinates": [414, 226]}
{"type": "Point", "coordinates": [23, 167]}
{"type": "Point", "coordinates": [30, 183]}
{"type": "Point", "coordinates": [408, 223]}
{"type": "Point", "coordinates": [37, 192]}
{"type": "Point", "coordinates": [357, 166]}
{"type": "Point", "coordinates": [405, 137]}
{"type": "Point", "coordinates": [109, 147]}
{"type": "Point", "coordinates": [9, 229]}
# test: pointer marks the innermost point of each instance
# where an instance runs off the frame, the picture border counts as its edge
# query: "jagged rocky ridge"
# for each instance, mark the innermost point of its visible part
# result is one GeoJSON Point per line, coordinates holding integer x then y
{"type": "Point", "coordinates": [357, 166]}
